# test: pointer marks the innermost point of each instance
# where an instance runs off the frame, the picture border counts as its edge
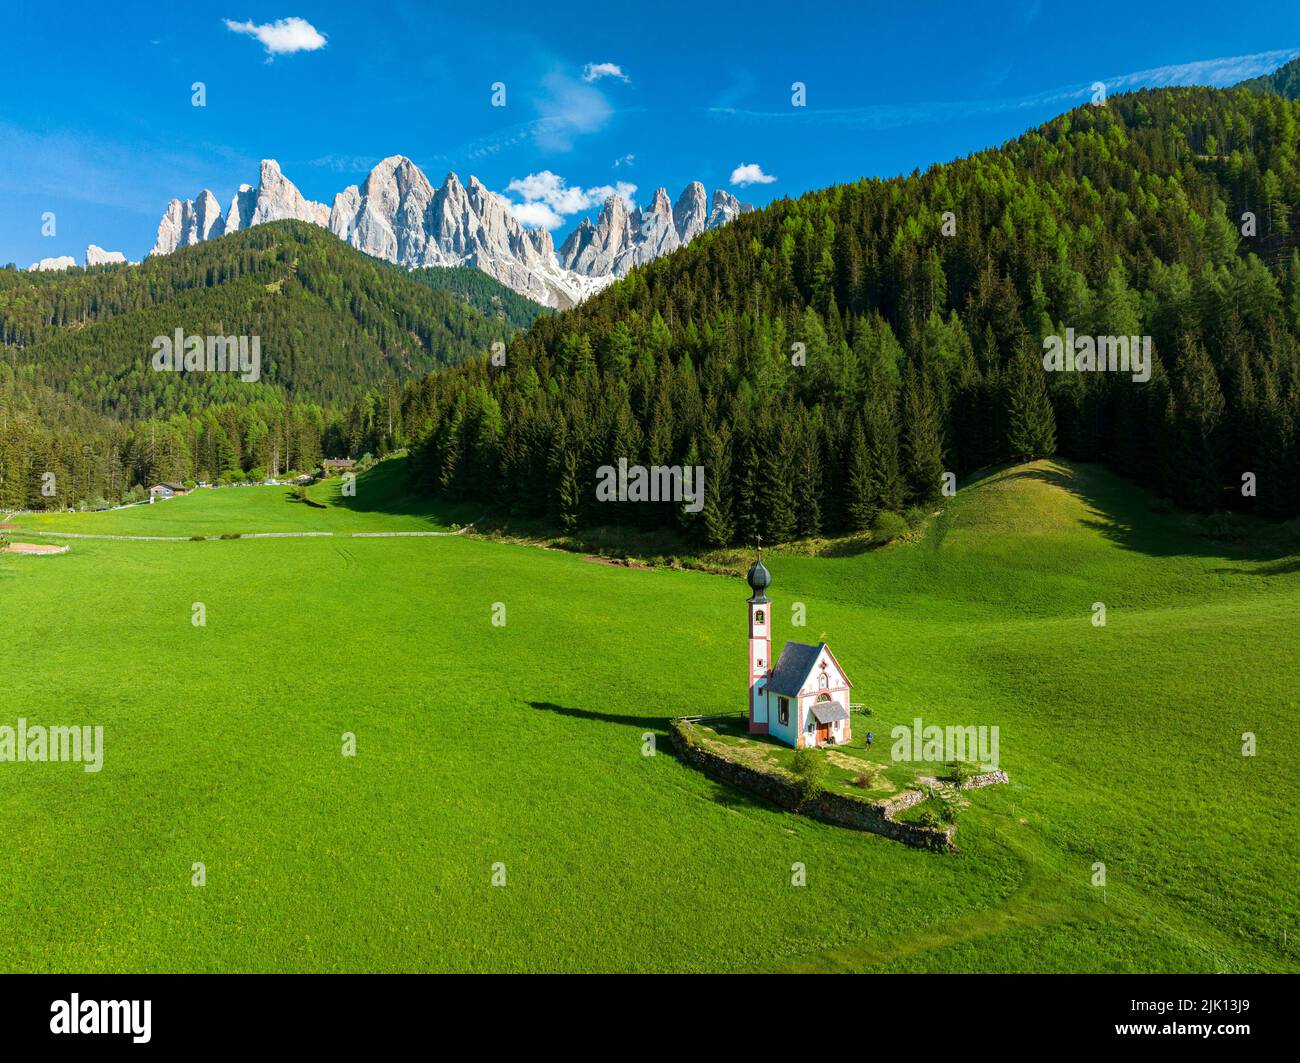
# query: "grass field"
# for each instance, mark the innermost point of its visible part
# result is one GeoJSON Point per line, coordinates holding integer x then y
{"type": "Point", "coordinates": [522, 744]}
{"type": "Point", "coordinates": [381, 503]}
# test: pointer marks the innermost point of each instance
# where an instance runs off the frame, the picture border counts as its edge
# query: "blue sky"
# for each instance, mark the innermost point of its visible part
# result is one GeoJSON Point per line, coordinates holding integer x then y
{"type": "Point", "coordinates": [97, 123]}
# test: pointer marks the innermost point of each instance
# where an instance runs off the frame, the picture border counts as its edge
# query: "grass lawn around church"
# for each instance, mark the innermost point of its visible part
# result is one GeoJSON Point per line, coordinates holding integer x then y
{"type": "Point", "coordinates": [520, 745]}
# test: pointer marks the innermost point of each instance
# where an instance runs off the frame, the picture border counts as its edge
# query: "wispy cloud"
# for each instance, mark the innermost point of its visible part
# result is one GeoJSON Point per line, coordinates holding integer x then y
{"type": "Point", "coordinates": [750, 173]}
{"type": "Point", "coordinates": [570, 108]}
{"type": "Point", "coordinates": [548, 198]}
{"type": "Point", "coordinates": [282, 37]}
{"type": "Point", "coordinates": [596, 71]}
{"type": "Point", "coordinates": [1216, 73]}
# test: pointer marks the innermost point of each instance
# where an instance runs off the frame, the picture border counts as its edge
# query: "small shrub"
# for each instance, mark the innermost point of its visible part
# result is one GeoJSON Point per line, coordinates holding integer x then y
{"type": "Point", "coordinates": [960, 772]}
{"type": "Point", "coordinates": [866, 778]}
{"type": "Point", "coordinates": [944, 809]}
{"type": "Point", "coordinates": [1221, 527]}
{"type": "Point", "coordinates": [915, 516]}
{"type": "Point", "coordinates": [888, 526]}
{"type": "Point", "coordinates": [198, 538]}
{"type": "Point", "coordinates": [808, 769]}
{"type": "Point", "coordinates": [929, 818]}
{"type": "Point", "coordinates": [230, 535]}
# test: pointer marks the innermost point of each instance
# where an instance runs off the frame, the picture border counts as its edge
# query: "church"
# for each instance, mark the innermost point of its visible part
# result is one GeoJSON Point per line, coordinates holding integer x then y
{"type": "Point", "coordinates": [804, 699]}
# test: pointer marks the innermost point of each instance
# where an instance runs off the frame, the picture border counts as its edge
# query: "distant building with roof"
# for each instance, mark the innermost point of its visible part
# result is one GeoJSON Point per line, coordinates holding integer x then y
{"type": "Point", "coordinates": [165, 491]}
{"type": "Point", "coordinates": [804, 699]}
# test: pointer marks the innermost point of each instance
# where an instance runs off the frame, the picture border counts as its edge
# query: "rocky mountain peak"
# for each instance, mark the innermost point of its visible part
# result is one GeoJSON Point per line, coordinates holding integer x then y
{"type": "Point", "coordinates": [397, 214]}
{"type": "Point", "coordinates": [691, 214]}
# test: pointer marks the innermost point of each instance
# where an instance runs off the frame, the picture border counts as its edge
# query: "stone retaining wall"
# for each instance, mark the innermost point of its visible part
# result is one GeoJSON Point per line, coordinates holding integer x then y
{"type": "Point", "coordinates": [990, 778]}
{"type": "Point", "coordinates": [838, 809]}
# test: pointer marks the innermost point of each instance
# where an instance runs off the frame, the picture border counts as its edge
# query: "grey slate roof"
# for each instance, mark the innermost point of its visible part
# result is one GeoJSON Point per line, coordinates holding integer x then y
{"type": "Point", "coordinates": [792, 668]}
{"type": "Point", "coordinates": [828, 711]}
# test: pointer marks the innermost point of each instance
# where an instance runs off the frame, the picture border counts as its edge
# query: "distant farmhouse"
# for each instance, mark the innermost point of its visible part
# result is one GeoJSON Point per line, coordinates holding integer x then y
{"type": "Point", "coordinates": [804, 700]}
{"type": "Point", "coordinates": [165, 491]}
{"type": "Point", "coordinates": [333, 466]}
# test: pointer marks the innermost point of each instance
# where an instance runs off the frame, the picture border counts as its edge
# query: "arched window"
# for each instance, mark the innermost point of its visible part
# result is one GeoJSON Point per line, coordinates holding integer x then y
{"type": "Point", "coordinates": [823, 682]}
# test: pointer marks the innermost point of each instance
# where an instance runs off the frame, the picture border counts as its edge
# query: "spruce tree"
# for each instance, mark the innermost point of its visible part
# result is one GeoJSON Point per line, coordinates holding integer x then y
{"type": "Point", "coordinates": [1031, 425]}
{"type": "Point", "coordinates": [862, 508]}
{"type": "Point", "coordinates": [923, 438]}
{"type": "Point", "coordinates": [1196, 458]}
{"type": "Point", "coordinates": [886, 479]}
{"type": "Point", "coordinates": [718, 528]}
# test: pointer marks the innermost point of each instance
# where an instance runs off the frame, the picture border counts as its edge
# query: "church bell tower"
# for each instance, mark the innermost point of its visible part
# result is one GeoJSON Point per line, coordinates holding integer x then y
{"type": "Point", "coordinates": [760, 646]}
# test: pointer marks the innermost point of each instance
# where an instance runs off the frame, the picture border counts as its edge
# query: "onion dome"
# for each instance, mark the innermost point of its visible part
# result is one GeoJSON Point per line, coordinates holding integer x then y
{"type": "Point", "coordinates": [759, 580]}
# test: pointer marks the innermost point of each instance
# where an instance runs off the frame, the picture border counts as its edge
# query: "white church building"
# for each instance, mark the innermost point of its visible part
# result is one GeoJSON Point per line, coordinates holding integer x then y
{"type": "Point", "coordinates": [802, 700]}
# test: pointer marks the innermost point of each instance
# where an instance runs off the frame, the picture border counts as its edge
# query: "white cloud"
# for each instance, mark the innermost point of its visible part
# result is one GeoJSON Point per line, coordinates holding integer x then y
{"type": "Point", "coordinates": [568, 109]}
{"type": "Point", "coordinates": [1218, 72]}
{"type": "Point", "coordinates": [596, 71]}
{"type": "Point", "coordinates": [282, 37]}
{"type": "Point", "coordinates": [750, 173]}
{"type": "Point", "coordinates": [626, 160]}
{"type": "Point", "coordinates": [535, 215]}
{"type": "Point", "coordinates": [549, 198]}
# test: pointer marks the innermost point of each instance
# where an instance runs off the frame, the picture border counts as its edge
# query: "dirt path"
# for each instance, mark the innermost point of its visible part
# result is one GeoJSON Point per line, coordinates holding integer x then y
{"type": "Point", "coordinates": [241, 535]}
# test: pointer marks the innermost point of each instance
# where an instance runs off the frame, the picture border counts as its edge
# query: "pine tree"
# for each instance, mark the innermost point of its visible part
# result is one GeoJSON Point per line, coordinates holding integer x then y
{"type": "Point", "coordinates": [1031, 424]}
{"type": "Point", "coordinates": [717, 524]}
{"type": "Point", "coordinates": [881, 428]}
{"type": "Point", "coordinates": [862, 508]}
{"type": "Point", "coordinates": [923, 440]}
{"type": "Point", "coordinates": [807, 461]}
{"type": "Point", "coordinates": [776, 484]}
{"type": "Point", "coordinates": [568, 495]}
{"type": "Point", "coordinates": [1194, 461]}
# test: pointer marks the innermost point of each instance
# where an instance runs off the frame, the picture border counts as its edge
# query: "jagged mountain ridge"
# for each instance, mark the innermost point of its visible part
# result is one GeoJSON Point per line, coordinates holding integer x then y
{"type": "Point", "coordinates": [396, 214]}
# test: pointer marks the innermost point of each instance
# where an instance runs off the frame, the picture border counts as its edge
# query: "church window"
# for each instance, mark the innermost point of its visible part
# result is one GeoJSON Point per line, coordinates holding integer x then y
{"type": "Point", "coordinates": [783, 711]}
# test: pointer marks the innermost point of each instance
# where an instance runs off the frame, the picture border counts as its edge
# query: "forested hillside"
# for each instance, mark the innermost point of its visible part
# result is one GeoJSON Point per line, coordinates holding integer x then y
{"type": "Point", "coordinates": [339, 332]}
{"type": "Point", "coordinates": [828, 358]}
{"type": "Point", "coordinates": [1284, 81]}
{"type": "Point", "coordinates": [825, 359]}
{"type": "Point", "coordinates": [489, 297]}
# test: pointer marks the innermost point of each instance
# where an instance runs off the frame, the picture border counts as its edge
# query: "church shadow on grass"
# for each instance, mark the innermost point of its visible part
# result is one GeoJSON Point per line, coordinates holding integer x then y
{"type": "Point", "coordinates": [645, 723]}
{"type": "Point", "coordinates": [732, 797]}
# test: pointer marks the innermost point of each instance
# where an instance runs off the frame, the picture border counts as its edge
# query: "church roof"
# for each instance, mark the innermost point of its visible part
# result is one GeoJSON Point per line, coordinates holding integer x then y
{"type": "Point", "coordinates": [829, 711]}
{"type": "Point", "coordinates": [797, 660]}
{"type": "Point", "coordinates": [792, 668]}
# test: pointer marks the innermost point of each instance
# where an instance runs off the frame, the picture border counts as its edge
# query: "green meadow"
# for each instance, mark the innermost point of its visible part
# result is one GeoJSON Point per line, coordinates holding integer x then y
{"type": "Point", "coordinates": [517, 749]}
{"type": "Point", "coordinates": [384, 505]}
